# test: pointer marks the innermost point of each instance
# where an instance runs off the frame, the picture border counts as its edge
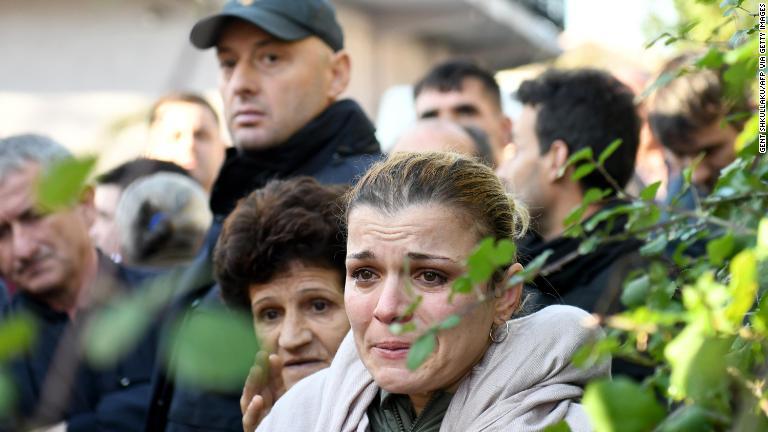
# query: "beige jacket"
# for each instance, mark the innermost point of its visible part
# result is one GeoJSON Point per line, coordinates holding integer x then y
{"type": "Point", "coordinates": [523, 384]}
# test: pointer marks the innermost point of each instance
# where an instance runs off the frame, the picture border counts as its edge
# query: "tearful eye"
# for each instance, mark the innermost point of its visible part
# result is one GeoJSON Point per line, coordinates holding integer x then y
{"type": "Point", "coordinates": [363, 275]}
{"type": "Point", "coordinates": [432, 278]}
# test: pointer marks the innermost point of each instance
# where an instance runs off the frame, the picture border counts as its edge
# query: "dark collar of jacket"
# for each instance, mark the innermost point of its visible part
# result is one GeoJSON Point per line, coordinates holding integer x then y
{"type": "Point", "coordinates": [566, 269]}
{"type": "Point", "coordinates": [341, 131]}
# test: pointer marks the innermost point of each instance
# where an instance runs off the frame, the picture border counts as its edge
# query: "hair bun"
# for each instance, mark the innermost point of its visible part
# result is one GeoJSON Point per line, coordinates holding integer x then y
{"type": "Point", "coordinates": [520, 216]}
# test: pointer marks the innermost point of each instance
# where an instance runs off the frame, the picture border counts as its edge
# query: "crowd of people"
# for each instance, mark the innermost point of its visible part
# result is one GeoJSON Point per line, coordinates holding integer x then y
{"type": "Point", "coordinates": [326, 243]}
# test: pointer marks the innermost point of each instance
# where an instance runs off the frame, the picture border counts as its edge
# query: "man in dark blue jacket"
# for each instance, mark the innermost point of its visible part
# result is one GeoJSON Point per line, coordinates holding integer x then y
{"type": "Point", "coordinates": [282, 69]}
{"type": "Point", "coordinates": [61, 280]}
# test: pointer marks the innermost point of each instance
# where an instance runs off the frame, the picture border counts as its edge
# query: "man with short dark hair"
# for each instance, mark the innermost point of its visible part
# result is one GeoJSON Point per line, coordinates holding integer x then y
{"type": "Point", "coordinates": [564, 112]}
{"type": "Point", "coordinates": [463, 92]}
{"type": "Point", "coordinates": [61, 280]}
{"type": "Point", "coordinates": [184, 129]}
{"type": "Point", "coordinates": [282, 68]}
{"type": "Point", "coordinates": [688, 115]}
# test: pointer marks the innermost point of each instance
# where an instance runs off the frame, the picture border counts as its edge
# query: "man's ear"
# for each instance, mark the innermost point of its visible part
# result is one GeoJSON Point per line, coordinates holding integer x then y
{"type": "Point", "coordinates": [557, 157]}
{"type": "Point", "coordinates": [509, 297]}
{"type": "Point", "coordinates": [86, 206]}
{"type": "Point", "coordinates": [340, 72]}
{"type": "Point", "coordinates": [506, 126]}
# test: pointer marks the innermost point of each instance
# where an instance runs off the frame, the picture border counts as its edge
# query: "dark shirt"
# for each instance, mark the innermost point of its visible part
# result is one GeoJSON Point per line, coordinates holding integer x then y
{"type": "Point", "coordinates": [335, 148]}
{"type": "Point", "coordinates": [110, 399]}
{"type": "Point", "coordinates": [391, 412]}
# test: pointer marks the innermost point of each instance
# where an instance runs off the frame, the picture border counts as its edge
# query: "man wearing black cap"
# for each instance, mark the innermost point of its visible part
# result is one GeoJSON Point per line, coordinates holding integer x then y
{"type": "Point", "coordinates": [282, 67]}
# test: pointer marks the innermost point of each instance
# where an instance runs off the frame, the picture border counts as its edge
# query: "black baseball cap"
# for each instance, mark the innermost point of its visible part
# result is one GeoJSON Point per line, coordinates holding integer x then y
{"type": "Point", "coordinates": [284, 19]}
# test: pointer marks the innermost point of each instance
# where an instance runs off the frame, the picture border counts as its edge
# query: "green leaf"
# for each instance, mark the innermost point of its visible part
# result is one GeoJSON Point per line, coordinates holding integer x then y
{"type": "Point", "coordinates": [649, 192]}
{"type": "Point", "coordinates": [608, 151]}
{"type": "Point", "coordinates": [606, 214]}
{"type": "Point", "coordinates": [688, 418]}
{"type": "Point", "coordinates": [760, 318]}
{"type": "Point", "coordinates": [574, 216]}
{"type": "Point", "coordinates": [61, 186]}
{"type": "Point", "coordinates": [658, 38]}
{"type": "Point", "coordinates": [645, 218]}
{"type": "Point", "coordinates": [421, 350]}
{"type": "Point", "coordinates": [591, 196]}
{"type": "Point", "coordinates": [399, 328]}
{"type": "Point", "coordinates": [17, 332]}
{"type": "Point", "coordinates": [655, 246]}
{"type": "Point", "coordinates": [761, 248]}
{"type": "Point", "coordinates": [691, 168]}
{"type": "Point", "coordinates": [115, 330]}
{"type": "Point", "coordinates": [621, 405]}
{"type": "Point", "coordinates": [413, 306]}
{"type": "Point", "coordinates": [583, 154]}
{"type": "Point", "coordinates": [480, 269]}
{"type": "Point", "coordinates": [743, 286]}
{"type": "Point", "coordinates": [713, 59]}
{"type": "Point", "coordinates": [636, 291]}
{"type": "Point", "coordinates": [748, 135]}
{"type": "Point", "coordinates": [450, 322]}
{"type": "Point", "coordinates": [214, 349]}
{"type": "Point", "coordinates": [480, 262]}
{"type": "Point", "coordinates": [685, 29]}
{"type": "Point", "coordinates": [589, 245]}
{"type": "Point", "coordinates": [596, 351]}
{"type": "Point", "coordinates": [462, 285]}
{"type": "Point", "coordinates": [582, 171]}
{"type": "Point", "coordinates": [560, 426]}
{"type": "Point", "coordinates": [719, 249]}
{"type": "Point", "coordinates": [532, 269]}
{"type": "Point", "coordinates": [504, 253]}
{"type": "Point", "coordinates": [698, 363]}
{"type": "Point", "coordinates": [594, 195]}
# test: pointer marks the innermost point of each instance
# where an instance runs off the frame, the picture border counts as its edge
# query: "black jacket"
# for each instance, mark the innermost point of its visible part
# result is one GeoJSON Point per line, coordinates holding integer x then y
{"type": "Point", "coordinates": [592, 281]}
{"type": "Point", "coordinates": [334, 148]}
{"type": "Point", "coordinates": [112, 399]}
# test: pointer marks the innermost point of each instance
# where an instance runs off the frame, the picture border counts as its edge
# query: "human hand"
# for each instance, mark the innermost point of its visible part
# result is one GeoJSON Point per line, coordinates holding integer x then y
{"type": "Point", "coordinates": [263, 387]}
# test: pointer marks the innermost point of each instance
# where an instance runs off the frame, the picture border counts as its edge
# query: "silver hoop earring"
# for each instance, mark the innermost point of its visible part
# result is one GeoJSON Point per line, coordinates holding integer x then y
{"type": "Point", "coordinates": [499, 339]}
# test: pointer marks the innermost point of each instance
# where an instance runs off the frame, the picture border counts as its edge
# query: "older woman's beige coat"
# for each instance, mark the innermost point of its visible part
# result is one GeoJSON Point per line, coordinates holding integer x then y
{"type": "Point", "coordinates": [523, 384]}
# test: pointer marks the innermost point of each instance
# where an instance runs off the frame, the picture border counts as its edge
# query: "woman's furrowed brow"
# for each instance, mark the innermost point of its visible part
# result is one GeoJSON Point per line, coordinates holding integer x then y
{"type": "Point", "coordinates": [361, 255]}
{"type": "Point", "coordinates": [417, 256]}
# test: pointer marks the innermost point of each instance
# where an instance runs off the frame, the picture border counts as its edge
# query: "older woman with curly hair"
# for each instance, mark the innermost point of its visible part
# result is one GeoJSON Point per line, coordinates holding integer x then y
{"type": "Point", "coordinates": [281, 256]}
{"type": "Point", "coordinates": [412, 223]}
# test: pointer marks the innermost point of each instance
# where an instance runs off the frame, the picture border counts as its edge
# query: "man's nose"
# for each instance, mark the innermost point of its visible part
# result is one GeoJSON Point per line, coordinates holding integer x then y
{"type": "Point", "coordinates": [294, 332]}
{"type": "Point", "coordinates": [245, 79]}
{"type": "Point", "coordinates": [392, 302]}
{"type": "Point", "coordinates": [24, 245]}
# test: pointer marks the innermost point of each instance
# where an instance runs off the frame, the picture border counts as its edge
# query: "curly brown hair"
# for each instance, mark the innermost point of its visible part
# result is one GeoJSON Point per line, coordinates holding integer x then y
{"type": "Point", "coordinates": [283, 222]}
